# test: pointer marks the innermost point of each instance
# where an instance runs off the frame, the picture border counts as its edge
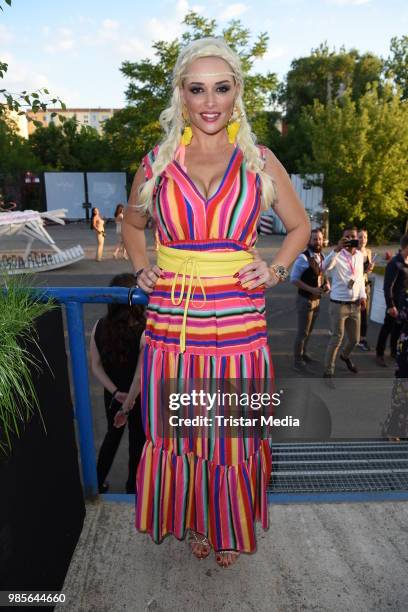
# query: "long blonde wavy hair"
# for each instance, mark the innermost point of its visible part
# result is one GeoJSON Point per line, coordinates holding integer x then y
{"type": "Point", "coordinates": [173, 123]}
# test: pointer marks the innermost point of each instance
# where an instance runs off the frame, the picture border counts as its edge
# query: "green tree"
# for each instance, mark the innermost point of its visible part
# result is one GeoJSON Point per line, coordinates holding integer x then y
{"type": "Point", "coordinates": [136, 129]}
{"type": "Point", "coordinates": [397, 63]}
{"type": "Point", "coordinates": [361, 148]}
{"type": "Point", "coordinates": [47, 143]}
{"type": "Point", "coordinates": [65, 147]}
{"type": "Point", "coordinates": [15, 153]}
{"type": "Point", "coordinates": [16, 158]}
{"type": "Point", "coordinates": [324, 75]}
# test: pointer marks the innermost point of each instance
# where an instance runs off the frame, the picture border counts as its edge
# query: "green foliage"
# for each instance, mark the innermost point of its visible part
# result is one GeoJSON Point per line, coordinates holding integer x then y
{"type": "Point", "coordinates": [15, 152]}
{"type": "Point", "coordinates": [292, 146]}
{"type": "Point", "coordinates": [66, 148]}
{"type": "Point", "coordinates": [26, 101]}
{"type": "Point", "coordinates": [362, 149]}
{"type": "Point", "coordinates": [18, 400]}
{"type": "Point", "coordinates": [7, 2]}
{"type": "Point", "coordinates": [324, 75]}
{"type": "Point", "coordinates": [135, 129]}
{"type": "Point", "coordinates": [266, 125]}
{"type": "Point", "coordinates": [397, 63]}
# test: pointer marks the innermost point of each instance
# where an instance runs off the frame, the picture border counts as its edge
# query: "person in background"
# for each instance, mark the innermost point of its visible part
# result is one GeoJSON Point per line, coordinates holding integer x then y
{"type": "Point", "coordinates": [307, 275]}
{"type": "Point", "coordinates": [347, 299]}
{"type": "Point", "coordinates": [394, 279]}
{"type": "Point", "coordinates": [116, 341]}
{"type": "Point", "coordinates": [395, 426]}
{"type": "Point", "coordinates": [98, 225]}
{"type": "Point", "coordinates": [120, 247]}
{"type": "Point", "coordinates": [368, 267]}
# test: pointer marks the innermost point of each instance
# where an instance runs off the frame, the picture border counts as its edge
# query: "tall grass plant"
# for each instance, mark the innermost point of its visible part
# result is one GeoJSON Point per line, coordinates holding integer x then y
{"type": "Point", "coordinates": [18, 313]}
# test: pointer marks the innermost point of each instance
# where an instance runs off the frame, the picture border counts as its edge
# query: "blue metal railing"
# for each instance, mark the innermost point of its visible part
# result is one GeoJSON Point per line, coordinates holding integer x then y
{"type": "Point", "coordinates": [74, 299]}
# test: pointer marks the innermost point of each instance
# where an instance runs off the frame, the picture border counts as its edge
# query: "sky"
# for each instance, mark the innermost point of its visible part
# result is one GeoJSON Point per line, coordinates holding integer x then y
{"type": "Point", "coordinates": [75, 48]}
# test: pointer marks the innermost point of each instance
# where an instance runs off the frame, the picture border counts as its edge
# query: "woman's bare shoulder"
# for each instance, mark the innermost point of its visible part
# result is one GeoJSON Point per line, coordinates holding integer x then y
{"type": "Point", "coordinates": [272, 163]}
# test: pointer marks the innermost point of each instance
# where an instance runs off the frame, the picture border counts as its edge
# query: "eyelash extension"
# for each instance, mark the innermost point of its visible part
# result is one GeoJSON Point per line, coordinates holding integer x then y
{"type": "Point", "coordinates": [222, 89]}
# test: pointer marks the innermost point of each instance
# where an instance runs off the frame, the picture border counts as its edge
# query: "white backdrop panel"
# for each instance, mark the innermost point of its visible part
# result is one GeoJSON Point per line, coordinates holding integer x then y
{"type": "Point", "coordinates": [65, 190]}
{"type": "Point", "coordinates": [106, 190]}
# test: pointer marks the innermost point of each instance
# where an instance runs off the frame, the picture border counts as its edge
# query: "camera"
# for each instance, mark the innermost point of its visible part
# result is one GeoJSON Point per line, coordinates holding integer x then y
{"type": "Point", "coordinates": [351, 243]}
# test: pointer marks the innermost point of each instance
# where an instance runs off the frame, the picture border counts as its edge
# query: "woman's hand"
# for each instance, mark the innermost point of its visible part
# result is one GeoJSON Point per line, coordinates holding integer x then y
{"type": "Point", "coordinates": [120, 419]}
{"type": "Point", "coordinates": [148, 278]}
{"type": "Point", "coordinates": [121, 416]}
{"type": "Point", "coordinates": [121, 396]}
{"type": "Point", "coordinates": [257, 273]}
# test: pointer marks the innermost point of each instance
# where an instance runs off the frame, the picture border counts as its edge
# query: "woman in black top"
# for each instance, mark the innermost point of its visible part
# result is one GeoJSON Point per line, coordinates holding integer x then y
{"type": "Point", "coordinates": [116, 341]}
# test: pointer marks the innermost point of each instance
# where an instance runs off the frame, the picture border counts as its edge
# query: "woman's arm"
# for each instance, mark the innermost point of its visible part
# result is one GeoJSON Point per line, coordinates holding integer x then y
{"type": "Point", "coordinates": [371, 265]}
{"type": "Point", "coordinates": [135, 386]}
{"type": "Point", "coordinates": [133, 225]}
{"type": "Point", "coordinates": [121, 417]}
{"type": "Point", "coordinates": [97, 368]}
{"type": "Point", "coordinates": [134, 239]}
{"type": "Point", "coordinates": [290, 210]}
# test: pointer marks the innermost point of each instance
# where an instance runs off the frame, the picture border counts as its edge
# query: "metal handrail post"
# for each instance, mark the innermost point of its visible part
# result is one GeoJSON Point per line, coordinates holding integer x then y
{"type": "Point", "coordinates": [83, 411]}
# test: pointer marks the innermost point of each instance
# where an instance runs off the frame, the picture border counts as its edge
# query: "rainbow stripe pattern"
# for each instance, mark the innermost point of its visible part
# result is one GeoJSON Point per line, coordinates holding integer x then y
{"type": "Point", "coordinates": [213, 485]}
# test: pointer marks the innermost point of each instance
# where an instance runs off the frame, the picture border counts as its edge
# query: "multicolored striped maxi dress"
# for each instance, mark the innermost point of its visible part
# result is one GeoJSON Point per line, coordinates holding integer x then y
{"type": "Point", "coordinates": [216, 487]}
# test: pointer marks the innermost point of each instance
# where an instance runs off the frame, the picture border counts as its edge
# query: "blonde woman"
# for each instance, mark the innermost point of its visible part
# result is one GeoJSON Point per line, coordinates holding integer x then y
{"type": "Point", "coordinates": [120, 247]}
{"type": "Point", "coordinates": [98, 225]}
{"type": "Point", "coordinates": [368, 267]}
{"type": "Point", "coordinates": [206, 184]}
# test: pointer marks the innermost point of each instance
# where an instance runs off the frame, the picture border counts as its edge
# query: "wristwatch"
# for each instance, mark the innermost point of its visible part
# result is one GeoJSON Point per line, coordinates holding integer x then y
{"type": "Point", "coordinates": [280, 271]}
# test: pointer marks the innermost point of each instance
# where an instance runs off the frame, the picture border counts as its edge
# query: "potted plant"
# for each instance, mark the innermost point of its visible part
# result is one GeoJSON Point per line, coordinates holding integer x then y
{"type": "Point", "coordinates": [18, 399]}
{"type": "Point", "coordinates": [42, 509]}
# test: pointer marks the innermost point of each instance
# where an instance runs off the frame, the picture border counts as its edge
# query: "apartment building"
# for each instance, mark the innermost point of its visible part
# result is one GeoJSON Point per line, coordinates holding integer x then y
{"type": "Point", "coordinates": [94, 117]}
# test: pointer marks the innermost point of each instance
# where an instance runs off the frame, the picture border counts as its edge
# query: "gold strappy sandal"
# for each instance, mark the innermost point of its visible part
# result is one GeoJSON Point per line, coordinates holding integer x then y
{"type": "Point", "coordinates": [199, 544]}
{"type": "Point", "coordinates": [226, 558]}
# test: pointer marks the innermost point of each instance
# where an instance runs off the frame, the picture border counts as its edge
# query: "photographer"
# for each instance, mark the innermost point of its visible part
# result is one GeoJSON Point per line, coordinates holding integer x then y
{"type": "Point", "coordinates": [307, 275]}
{"type": "Point", "coordinates": [347, 299]}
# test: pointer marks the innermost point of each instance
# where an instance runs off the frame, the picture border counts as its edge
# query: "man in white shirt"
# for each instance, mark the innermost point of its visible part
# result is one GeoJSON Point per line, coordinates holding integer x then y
{"type": "Point", "coordinates": [347, 299]}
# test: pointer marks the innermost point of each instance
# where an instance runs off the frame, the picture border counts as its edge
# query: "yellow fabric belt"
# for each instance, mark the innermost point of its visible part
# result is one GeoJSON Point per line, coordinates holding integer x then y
{"type": "Point", "coordinates": [197, 264]}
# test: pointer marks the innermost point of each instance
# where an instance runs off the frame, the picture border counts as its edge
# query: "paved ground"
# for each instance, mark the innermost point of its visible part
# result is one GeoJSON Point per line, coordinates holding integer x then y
{"type": "Point", "coordinates": [320, 558]}
{"type": "Point", "coordinates": [337, 557]}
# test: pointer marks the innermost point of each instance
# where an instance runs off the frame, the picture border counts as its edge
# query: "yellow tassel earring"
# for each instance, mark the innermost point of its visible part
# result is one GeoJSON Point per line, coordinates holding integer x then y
{"type": "Point", "coordinates": [233, 126]}
{"type": "Point", "coordinates": [186, 136]}
{"type": "Point", "coordinates": [187, 132]}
